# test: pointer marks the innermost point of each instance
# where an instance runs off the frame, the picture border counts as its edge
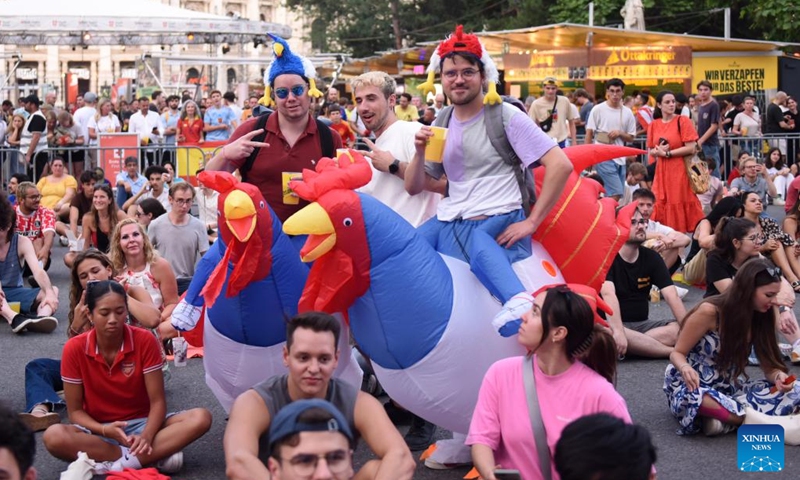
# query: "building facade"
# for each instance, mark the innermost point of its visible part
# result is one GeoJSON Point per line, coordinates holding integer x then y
{"type": "Point", "coordinates": [97, 68]}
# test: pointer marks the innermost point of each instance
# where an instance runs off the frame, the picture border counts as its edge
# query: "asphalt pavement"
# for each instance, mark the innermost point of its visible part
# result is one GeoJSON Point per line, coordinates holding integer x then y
{"type": "Point", "coordinates": [639, 381]}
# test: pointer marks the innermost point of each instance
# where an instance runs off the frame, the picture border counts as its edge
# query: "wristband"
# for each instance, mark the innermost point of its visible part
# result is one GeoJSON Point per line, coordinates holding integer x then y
{"type": "Point", "coordinates": [782, 308]}
{"type": "Point", "coordinates": [104, 430]}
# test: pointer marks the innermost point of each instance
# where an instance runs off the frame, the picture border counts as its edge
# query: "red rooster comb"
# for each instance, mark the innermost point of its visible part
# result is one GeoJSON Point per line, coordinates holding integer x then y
{"type": "Point", "coordinates": [347, 172]}
{"type": "Point", "coordinates": [218, 181]}
{"type": "Point", "coordinates": [460, 42]}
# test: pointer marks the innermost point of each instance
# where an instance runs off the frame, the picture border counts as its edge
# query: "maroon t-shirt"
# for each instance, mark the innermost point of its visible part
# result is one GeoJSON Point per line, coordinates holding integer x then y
{"type": "Point", "coordinates": [274, 165]}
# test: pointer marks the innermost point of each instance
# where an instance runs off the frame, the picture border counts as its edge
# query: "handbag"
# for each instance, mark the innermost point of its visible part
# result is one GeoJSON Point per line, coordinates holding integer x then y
{"type": "Point", "coordinates": [547, 123]}
{"type": "Point", "coordinates": [537, 425]}
{"type": "Point", "coordinates": [696, 169]}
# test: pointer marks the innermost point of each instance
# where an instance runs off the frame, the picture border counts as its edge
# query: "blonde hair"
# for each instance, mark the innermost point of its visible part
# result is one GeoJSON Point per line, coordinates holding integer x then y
{"type": "Point", "coordinates": [100, 105]}
{"type": "Point", "coordinates": [116, 253]}
{"type": "Point", "coordinates": [381, 80]}
{"type": "Point", "coordinates": [12, 131]}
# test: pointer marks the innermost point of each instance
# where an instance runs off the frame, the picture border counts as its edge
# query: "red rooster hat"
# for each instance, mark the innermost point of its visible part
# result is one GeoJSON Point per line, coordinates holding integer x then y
{"type": "Point", "coordinates": [460, 42]}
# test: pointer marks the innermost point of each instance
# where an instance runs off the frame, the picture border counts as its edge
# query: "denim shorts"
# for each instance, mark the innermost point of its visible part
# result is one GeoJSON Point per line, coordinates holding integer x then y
{"type": "Point", "coordinates": [134, 427]}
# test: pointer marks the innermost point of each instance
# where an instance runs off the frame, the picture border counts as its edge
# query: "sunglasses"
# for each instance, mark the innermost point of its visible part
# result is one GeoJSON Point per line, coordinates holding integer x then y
{"type": "Point", "coordinates": [283, 92]}
{"type": "Point", "coordinates": [774, 272]}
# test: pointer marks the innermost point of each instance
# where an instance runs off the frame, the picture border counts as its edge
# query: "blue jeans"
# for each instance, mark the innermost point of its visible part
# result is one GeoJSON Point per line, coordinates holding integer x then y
{"type": "Point", "coordinates": [42, 381]}
{"type": "Point", "coordinates": [613, 176]}
{"type": "Point", "coordinates": [474, 242]}
{"type": "Point", "coordinates": [712, 151]}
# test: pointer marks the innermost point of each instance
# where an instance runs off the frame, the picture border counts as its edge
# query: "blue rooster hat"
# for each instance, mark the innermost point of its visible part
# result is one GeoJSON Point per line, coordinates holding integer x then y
{"type": "Point", "coordinates": [287, 62]}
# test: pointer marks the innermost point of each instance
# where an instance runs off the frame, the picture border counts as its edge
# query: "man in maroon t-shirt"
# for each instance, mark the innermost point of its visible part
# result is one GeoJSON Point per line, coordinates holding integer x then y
{"type": "Point", "coordinates": [292, 142]}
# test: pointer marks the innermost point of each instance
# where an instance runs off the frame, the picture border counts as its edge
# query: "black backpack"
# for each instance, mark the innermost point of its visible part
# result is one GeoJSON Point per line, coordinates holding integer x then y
{"type": "Point", "coordinates": [325, 142]}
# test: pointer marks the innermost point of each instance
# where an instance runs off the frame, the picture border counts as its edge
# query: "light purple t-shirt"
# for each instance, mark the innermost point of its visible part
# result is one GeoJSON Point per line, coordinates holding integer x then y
{"type": "Point", "coordinates": [479, 181]}
{"type": "Point", "coordinates": [501, 420]}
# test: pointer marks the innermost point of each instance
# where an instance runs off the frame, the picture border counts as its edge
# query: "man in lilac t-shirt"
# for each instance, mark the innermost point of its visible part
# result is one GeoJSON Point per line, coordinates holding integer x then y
{"type": "Point", "coordinates": [482, 219]}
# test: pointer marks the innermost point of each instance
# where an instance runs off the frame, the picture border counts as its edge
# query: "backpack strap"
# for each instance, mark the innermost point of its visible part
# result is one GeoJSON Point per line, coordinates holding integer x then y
{"type": "Point", "coordinates": [261, 123]}
{"type": "Point", "coordinates": [496, 131]}
{"type": "Point", "coordinates": [325, 142]}
{"type": "Point", "coordinates": [443, 119]}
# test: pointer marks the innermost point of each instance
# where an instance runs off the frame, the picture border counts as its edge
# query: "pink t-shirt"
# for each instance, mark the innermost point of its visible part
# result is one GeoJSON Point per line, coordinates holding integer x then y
{"type": "Point", "coordinates": [501, 420]}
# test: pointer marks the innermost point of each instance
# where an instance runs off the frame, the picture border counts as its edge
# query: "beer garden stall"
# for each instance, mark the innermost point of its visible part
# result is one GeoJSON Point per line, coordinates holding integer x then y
{"type": "Point", "coordinates": [585, 56]}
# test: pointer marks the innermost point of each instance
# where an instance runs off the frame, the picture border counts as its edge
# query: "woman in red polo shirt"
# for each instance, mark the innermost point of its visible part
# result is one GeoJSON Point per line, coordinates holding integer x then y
{"type": "Point", "coordinates": [190, 125]}
{"type": "Point", "coordinates": [114, 389]}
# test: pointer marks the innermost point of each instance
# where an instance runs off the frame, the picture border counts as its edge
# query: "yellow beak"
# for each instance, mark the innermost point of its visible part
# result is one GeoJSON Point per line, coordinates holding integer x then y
{"type": "Point", "coordinates": [313, 221]}
{"type": "Point", "coordinates": [278, 49]}
{"type": "Point", "coordinates": [240, 215]}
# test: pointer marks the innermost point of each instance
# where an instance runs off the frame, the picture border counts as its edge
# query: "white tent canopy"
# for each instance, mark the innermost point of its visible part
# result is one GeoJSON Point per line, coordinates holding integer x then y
{"type": "Point", "coordinates": [113, 22]}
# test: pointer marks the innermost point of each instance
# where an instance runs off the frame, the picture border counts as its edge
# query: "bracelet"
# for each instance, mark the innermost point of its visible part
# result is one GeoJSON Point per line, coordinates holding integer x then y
{"type": "Point", "coordinates": [75, 332]}
{"type": "Point", "coordinates": [104, 430]}
{"type": "Point", "coordinates": [782, 308]}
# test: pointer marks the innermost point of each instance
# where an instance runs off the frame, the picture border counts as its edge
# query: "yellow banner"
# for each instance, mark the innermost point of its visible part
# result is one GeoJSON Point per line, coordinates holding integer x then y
{"type": "Point", "coordinates": [736, 74]}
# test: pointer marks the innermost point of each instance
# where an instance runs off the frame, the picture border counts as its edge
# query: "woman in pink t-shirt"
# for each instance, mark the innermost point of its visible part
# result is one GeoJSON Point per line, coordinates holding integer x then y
{"type": "Point", "coordinates": [574, 364]}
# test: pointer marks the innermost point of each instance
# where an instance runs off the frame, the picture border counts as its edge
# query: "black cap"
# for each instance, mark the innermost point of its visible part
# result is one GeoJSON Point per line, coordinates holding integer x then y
{"type": "Point", "coordinates": [32, 98]}
{"type": "Point", "coordinates": [286, 421]}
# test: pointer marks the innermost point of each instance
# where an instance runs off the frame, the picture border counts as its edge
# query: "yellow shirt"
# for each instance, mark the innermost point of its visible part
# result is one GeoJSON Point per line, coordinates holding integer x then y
{"type": "Point", "coordinates": [52, 192]}
{"type": "Point", "coordinates": [410, 114]}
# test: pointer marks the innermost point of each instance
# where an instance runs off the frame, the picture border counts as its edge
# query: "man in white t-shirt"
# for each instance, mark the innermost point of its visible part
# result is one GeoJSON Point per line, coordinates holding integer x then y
{"type": "Point", "coordinates": [612, 123]}
{"type": "Point", "coordinates": [668, 242]}
{"type": "Point", "coordinates": [392, 150]}
{"type": "Point", "coordinates": [82, 117]}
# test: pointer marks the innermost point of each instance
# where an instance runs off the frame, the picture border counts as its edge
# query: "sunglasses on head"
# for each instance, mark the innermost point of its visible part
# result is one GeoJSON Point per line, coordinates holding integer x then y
{"type": "Point", "coordinates": [774, 272]}
{"type": "Point", "coordinates": [283, 92]}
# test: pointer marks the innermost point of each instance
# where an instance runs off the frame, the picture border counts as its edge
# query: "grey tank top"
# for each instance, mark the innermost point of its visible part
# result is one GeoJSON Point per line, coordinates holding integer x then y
{"type": "Point", "coordinates": [275, 393]}
{"type": "Point", "coordinates": [10, 269]}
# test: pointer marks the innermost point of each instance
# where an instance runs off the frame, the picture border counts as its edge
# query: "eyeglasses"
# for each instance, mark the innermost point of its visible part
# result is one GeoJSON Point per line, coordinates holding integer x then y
{"type": "Point", "coordinates": [638, 222]}
{"type": "Point", "coordinates": [283, 92]}
{"type": "Point", "coordinates": [466, 74]}
{"type": "Point", "coordinates": [182, 201]}
{"type": "Point", "coordinates": [753, 238]}
{"type": "Point", "coordinates": [34, 197]}
{"type": "Point", "coordinates": [305, 464]}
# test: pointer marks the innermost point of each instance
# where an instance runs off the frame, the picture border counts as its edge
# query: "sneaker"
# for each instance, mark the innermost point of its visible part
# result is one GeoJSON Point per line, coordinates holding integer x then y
{"type": "Point", "coordinates": [64, 241]}
{"type": "Point", "coordinates": [420, 435]}
{"type": "Point", "coordinates": [713, 427]}
{"type": "Point", "coordinates": [778, 202]}
{"type": "Point", "coordinates": [752, 360]}
{"type": "Point", "coordinates": [681, 291]}
{"type": "Point", "coordinates": [434, 465]}
{"type": "Point", "coordinates": [43, 324]}
{"type": "Point", "coordinates": [508, 319]}
{"type": "Point", "coordinates": [171, 464]}
{"type": "Point", "coordinates": [20, 322]}
{"type": "Point", "coordinates": [102, 468]}
{"type": "Point", "coordinates": [786, 350]}
{"type": "Point", "coordinates": [37, 423]}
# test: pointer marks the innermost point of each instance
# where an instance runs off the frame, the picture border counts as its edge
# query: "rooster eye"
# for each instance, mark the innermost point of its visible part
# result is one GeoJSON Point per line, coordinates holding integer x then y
{"type": "Point", "coordinates": [262, 204]}
{"type": "Point", "coordinates": [347, 222]}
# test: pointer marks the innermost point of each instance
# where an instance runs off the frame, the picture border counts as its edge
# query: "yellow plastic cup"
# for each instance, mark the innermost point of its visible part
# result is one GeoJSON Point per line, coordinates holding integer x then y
{"type": "Point", "coordinates": [435, 147]}
{"type": "Point", "coordinates": [289, 197]}
{"type": "Point", "coordinates": [343, 151]}
{"type": "Point", "coordinates": [14, 306]}
{"type": "Point", "coordinates": [744, 131]}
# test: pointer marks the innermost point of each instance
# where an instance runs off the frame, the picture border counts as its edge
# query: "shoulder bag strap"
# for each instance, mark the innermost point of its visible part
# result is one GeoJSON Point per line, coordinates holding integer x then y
{"type": "Point", "coordinates": [539, 434]}
{"type": "Point", "coordinates": [325, 139]}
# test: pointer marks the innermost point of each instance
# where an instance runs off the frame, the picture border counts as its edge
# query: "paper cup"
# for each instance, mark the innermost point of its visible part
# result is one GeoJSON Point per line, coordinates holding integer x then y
{"type": "Point", "coordinates": [435, 148]}
{"type": "Point", "coordinates": [14, 306]}
{"type": "Point", "coordinates": [289, 197]}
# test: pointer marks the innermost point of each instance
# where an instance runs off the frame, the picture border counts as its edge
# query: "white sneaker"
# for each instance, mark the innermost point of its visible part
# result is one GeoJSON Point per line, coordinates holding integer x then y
{"type": "Point", "coordinates": [794, 355]}
{"type": "Point", "coordinates": [64, 241]}
{"type": "Point", "coordinates": [507, 320]}
{"type": "Point", "coordinates": [778, 202]}
{"type": "Point", "coordinates": [713, 427]}
{"type": "Point", "coordinates": [171, 464]}
{"type": "Point", "coordinates": [681, 291]}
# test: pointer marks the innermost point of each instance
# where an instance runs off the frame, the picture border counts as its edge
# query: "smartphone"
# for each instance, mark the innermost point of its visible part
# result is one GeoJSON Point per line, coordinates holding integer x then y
{"type": "Point", "coordinates": [663, 141]}
{"type": "Point", "coordinates": [504, 474]}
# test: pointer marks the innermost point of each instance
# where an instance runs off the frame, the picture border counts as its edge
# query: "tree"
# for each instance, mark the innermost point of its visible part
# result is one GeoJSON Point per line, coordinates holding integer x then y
{"type": "Point", "coordinates": [777, 20]}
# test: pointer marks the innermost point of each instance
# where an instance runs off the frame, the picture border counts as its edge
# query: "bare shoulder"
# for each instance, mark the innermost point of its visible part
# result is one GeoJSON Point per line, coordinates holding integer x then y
{"type": "Point", "coordinates": [706, 314]}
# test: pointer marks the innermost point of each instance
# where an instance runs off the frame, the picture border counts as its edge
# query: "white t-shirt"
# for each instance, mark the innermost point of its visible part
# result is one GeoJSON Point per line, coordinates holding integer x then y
{"type": "Point", "coordinates": [751, 123]}
{"type": "Point", "coordinates": [163, 199]}
{"type": "Point", "coordinates": [605, 119]}
{"type": "Point", "coordinates": [390, 189]}
{"type": "Point", "coordinates": [82, 117]}
{"type": "Point", "coordinates": [144, 126]}
{"type": "Point", "coordinates": [659, 228]}
{"type": "Point", "coordinates": [107, 124]}
{"type": "Point", "coordinates": [206, 206]}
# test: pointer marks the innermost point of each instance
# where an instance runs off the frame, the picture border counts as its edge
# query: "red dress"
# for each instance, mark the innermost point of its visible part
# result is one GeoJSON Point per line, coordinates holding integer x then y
{"type": "Point", "coordinates": [677, 205]}
{"type": "Point", "coordinates": [192, 130]}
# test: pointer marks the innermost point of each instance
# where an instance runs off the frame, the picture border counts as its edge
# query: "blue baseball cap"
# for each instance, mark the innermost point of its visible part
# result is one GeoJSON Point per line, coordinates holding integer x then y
{"type": "Point", "coordinates": [286, 422]}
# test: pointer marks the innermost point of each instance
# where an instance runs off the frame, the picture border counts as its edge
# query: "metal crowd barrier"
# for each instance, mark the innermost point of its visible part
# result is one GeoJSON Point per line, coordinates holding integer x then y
{"type": "Point", "coordinates": [185, 164]}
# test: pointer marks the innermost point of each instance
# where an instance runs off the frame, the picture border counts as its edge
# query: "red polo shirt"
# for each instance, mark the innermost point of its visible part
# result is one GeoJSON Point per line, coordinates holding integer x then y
{"type": "Point", "coordinates": [275, 164]}
{"type": "Point", "coordinates": [118, 392]}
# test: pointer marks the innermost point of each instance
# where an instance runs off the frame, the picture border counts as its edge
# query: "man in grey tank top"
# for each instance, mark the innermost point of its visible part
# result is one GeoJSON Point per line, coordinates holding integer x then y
{"type": "Point", "coordinates": [311, 357]}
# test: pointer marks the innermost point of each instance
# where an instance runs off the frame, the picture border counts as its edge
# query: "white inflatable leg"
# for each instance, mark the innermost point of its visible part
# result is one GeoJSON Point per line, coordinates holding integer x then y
{"type": "Point", "coordinates": [452, 451]}
{"type": "Point", "coordinates": [790, 424]}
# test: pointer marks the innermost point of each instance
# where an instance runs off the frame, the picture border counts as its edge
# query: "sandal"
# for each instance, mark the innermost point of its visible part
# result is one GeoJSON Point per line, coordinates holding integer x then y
{"type": "Point", "coordinates": [42, 421]}
{"type": "Point", "coordinates": [796, 286]}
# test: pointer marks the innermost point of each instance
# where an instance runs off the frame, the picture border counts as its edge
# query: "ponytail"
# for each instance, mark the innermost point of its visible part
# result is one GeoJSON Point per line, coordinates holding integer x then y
{"type": "Point", "coordinates": [601, 356]}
